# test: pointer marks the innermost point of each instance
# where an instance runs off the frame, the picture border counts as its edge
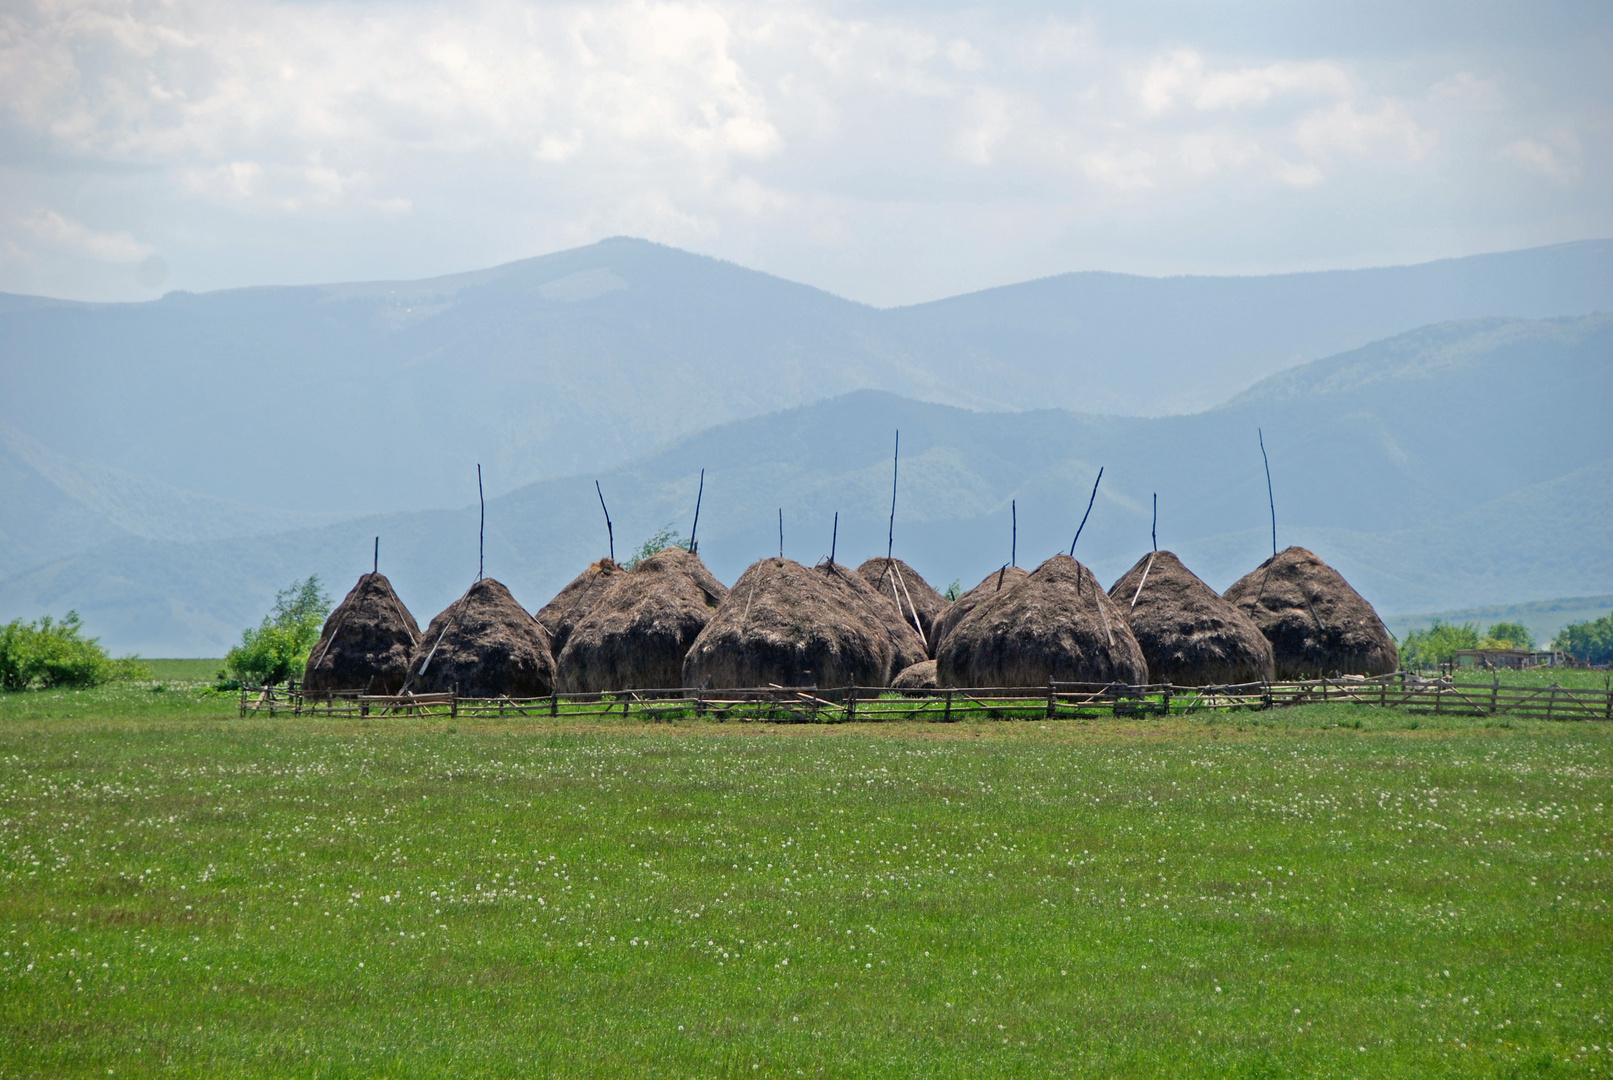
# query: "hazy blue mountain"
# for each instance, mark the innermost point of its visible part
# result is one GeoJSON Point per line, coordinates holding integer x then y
{"type": "Point", "coordinates": [1459, 464]}
{"type": "Point", "coordinates": [383, 396]}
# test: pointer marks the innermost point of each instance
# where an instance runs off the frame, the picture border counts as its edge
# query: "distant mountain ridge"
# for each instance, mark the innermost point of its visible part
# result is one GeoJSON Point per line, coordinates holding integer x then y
{"type": "Point", "coordinates": [1454, 465]}
{"type": "Point", "coordinates": [381, 396]}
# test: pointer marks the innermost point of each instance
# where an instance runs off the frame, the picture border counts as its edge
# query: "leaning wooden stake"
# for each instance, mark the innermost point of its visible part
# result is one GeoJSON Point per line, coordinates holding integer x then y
{"type": "Point", "coordinates": [890, 539]}
{"type": "Point", "coordinates": [1090, 501]}
{"type": "Point", "coordinates": [694, 546]}
{"type": "Point", "coordinates": [481, 532]}
{"type": "Point", "coordinates": [610, 533]}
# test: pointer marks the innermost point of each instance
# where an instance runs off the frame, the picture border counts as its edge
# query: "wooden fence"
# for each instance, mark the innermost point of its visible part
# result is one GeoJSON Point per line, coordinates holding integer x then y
{"type": "Point", "coordinates": [811, 704]}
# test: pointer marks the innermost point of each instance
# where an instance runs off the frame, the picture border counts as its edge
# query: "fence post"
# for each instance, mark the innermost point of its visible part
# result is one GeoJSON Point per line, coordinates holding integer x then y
{"type": "Point", "coordinates": [946, 716]}
{"type": "Point", "coordinates": [1439, 696]}
{"type": "Point", "coordinates": [1051, 700]}
{"type": "Point", "coordinates": [1495, 691]}
{"type": "Point", "coordinates": [851, 703]}
{"type": "Point", "coordinates": [1167, 709]}
{"type": "Point", "coordinates": [1551, 700]}
{"type": "Point", "coordinates": [554, 702]}
{"type": "Point", "coordinates": [453, 707]}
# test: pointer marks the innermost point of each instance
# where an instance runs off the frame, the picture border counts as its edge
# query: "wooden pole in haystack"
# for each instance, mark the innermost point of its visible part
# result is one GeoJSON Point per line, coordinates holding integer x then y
{"type": "Point", "coordinates": [693, 546]}
{"type": "Point", "coordinates": [1084, 517]}
{"type": "Point", "coordinates": [834, 538]}
{"type": "Point", "coordinates": [890, 539]}
{"type": "Point", "coordinates": [376, 568]}
{"type": "Point", "coordinates": [1270, 500]}
{"type": "Point", "coordinates": [481, 532]}
{"type": "Point", "coordinates": [781, 532]}
{"type": "Point", "coordinates": [610, 532]}
{"type": "Point", "coordinates": [1013, 545]}
{"type": "Point", "coordinates": [1154, 529]}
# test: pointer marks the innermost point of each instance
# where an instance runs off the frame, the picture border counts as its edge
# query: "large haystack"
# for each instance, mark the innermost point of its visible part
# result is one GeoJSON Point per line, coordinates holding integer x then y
{"type": "Point", "coordinates": [901, 584]}
{"type": "Point", "coordinates": [637, 634]}
{"type": "Point", "coordinates": [483, 645]}
{"type": "Point", "coordinates": [571, 604]}
{"type": "Point", "coordinates": [1316, 623]}
{"type": "Point", "coordinates": [993, 583]}
{"type": "Point", "coordinates": [789, 625]}
{"type": "Point", "coordinates": [1189, 634]}
{"type": "Point", "coordinates": [365, 644]}
{"type": "Point", "coordinates": [1057, 624]}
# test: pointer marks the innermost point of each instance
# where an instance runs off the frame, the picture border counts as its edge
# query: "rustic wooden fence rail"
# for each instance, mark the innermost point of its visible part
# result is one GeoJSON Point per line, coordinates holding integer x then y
{"type": "Point", "coordinates": [812, 704]}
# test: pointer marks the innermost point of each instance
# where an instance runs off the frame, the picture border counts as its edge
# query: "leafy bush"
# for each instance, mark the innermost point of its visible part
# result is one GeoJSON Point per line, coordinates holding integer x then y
{"type": "Point", "coordinates": [954, 590]}
{"type": "Point", "coordinates": [1509, 635]}
{"type": "Point", "coordinates": [1588, 642]}
{"type": "Point", "coordinates": [1425, 649]}
{"type": "Point", "coordinates": [664, 537]}
{"type": "Point", "coordinates": [46, 653]}
{"type": "Point", "coordinates": [278, 648]}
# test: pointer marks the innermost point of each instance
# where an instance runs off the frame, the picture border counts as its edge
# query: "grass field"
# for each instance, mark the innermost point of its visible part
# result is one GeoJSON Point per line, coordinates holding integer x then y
{"type": "Point", "coordinates": [1330, 890]}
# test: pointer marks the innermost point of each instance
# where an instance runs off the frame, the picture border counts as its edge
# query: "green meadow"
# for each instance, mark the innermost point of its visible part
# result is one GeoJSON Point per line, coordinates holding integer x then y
{"type": "Point", "coordinates": [1323, 891]}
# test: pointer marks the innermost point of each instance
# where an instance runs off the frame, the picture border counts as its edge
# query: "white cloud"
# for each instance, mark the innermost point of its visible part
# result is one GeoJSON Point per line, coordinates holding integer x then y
{"type": "Point", "coordinates": [1554, 156]}
{"type": "Point", "coordinates": [77, 238]}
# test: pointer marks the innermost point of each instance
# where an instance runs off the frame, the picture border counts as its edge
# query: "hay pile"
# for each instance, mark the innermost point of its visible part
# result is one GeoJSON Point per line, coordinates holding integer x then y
{"type": "Point", "coordinates": [637, 633]}
{"type": "Point", "coordinates": [483, 645]}
{"type": "Point", "coordinates": [920, 676]}
{"type": "Point", "coordinates": [783, 623]}
{"type": "Point", "coordinates": [993, 583]}
{"type": "Point", "coordinates": [914, 598]}
{"type": "Point", "coordinates": [1316, 623]}
{"type": "Point", "coordinates": [1057, 624]}
{"type": "Point", "coordinates": [1189, 634]}
{"type": "Point", "coordinates": [365, 644]}
{"type": "Point", "coordinates": [572, 603]}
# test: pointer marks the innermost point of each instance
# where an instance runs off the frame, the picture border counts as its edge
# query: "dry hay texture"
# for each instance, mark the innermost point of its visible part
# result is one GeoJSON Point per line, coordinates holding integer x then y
{"type": "Point", "coordinates": [1189, 634]}
{"type": "Point", "coordinates": [365, 644]}
{"type": "Point", "coordinates": [920, 676]}
{"type": "Point", "coordinates": [901, 584]}
{"type": "Point", "coordinates": [1055, 625]}
{"type": "Point", "coordinates": [790, 625]}
{"type": "Point", "coordinates": [571, 604]}
{"type": "Point", "coordinates": [1317, 625]}
{"type": "Point", "coordinates": [993, 583]}
{"type": "Point", "coordinates": [636, 635]}
{"type": "Point", "coordinates": [484, 645]}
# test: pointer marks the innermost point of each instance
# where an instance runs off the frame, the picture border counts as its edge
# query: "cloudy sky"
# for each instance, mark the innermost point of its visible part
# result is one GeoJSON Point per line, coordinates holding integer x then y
{"type": "Point", "coordinates": [890, 152]}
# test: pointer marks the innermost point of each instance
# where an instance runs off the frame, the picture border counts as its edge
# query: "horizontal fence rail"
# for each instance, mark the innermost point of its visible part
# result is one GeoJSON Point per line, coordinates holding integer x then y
{"type": "Point", "coordinates": [846, 704]}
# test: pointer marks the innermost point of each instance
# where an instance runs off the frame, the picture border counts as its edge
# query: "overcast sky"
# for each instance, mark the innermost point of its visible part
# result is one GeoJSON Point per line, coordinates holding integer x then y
{"type": "Point", "coordinates": [889, 152]}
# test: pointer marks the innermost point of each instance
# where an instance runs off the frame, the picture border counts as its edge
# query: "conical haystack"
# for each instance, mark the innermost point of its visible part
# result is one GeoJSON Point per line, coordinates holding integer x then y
{"type": "Point", "coordinates": [901, 584]}
{"type": "Point", "coordinates": [636, 635]}
{"type": "Point", "coordinates": [920, 676]}
{"type": "Point", "coordinates": [483, 645]}
{"type": "Point", "coordinates": [1057, 624]}
{"type": "Point", "coordinates": [783, 623]}
{"type": "Point", "coordinates": [1316, 623]}
{"type": "Point", "coordinates": [576, 600]}
{"type": "Point", "coordinates": [1189, 635]}
{"type": "Point", "coordinates": [993, 583]}
{"type": "Point", "coordinates": [365, 644]}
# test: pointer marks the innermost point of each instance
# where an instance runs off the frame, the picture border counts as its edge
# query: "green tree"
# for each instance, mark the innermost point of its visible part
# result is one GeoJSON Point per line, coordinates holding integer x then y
{"type": "Point", "coordinates": [954, 590]}
{"type": "Point", "coordinates": [1509, 635]}
{"type": "Point", "coordinates": [1588, 642]}
{"type": "Point", "coordinates": [1426, 649]}
{"type": "Point", "coordinates": [664, 537]}
{"type": "Point", "coordinates": [278, 648]}
{"type": "Point", "coordinates": [46, 653]}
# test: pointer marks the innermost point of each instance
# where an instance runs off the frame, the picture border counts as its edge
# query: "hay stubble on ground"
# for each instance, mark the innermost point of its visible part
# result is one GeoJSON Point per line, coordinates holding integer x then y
{"type": "Point", "coordinates": [1259, 894]}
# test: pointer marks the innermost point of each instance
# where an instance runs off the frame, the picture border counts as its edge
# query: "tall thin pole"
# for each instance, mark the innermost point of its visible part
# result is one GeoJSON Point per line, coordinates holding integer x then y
{"type": "Point", "coordinates": [694, 547]}
{"type": "Point", "coordinates": [1154, 532]}
{"type": "Point", "coordinates": [1013, 547]}
{"type": "Point", "coordinates": [610, 533]}
{"type": "Point", "coordinates": [481, 532]}
{"type": "Point", "coordinates": [890, 539]}
{"type": "Point", "coordinates": [781, 532]}
{"type": "Point", "coordinates": [833, 538]}
{"type": "Point", "coordinates": [376, 569]}
{"type": "Point", "coordinates": [1272, 502]}
{"type": "Point", "coordinates": [1090, 501]}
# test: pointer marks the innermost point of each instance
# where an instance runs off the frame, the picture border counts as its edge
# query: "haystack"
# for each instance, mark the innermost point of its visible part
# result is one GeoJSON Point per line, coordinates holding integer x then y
{"type": "Point", "coordinates": [914, 598]}
{"type": "Point", "coordinates": [365, 644]}
{"type": "Point", "coordinates": [483, 645]}
{"type": "Point", "coordinates": [1316, 623]}
{"type": "Point", "coordinates": [1189, 634]}
{"type": "Point", "coordinates": [993, 583]}
{"type": "Point", "coordinates": [920, 676]}
{"type": "Point", "coordinates": [576, 600]}
{"type": "Point", "coordinates": [1057, 624]}
{"type": "Point", "coordinates": [636, 635]}
{"type": "Point", "coordinates": [789, 625]}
